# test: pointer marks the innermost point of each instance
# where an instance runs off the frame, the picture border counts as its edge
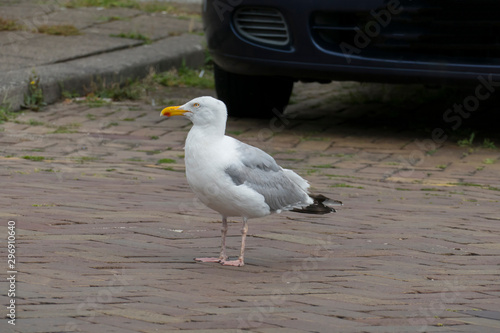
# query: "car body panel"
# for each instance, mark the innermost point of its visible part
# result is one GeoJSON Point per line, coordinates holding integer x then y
{"type": "Point", "coordinates": [305, 59]}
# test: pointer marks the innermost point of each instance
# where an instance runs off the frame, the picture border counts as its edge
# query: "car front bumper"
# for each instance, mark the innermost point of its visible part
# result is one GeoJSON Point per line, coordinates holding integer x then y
{"type": "Point", "coordinates": [381, 46]}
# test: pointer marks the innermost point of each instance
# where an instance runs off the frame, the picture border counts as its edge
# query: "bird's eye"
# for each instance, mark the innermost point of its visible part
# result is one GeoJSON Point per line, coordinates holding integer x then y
{"type": "Point", "coordinates": [196, 105]}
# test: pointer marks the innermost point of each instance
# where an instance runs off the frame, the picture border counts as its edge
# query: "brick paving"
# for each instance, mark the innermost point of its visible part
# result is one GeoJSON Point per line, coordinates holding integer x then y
{"type": "Point", "coordinates": [107, 234]}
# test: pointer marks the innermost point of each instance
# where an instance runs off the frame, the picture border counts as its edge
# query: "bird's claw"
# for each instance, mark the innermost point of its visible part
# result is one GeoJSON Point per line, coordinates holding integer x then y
{"type": "Point", "coordinates": [224, 262]}
{"type": "Point", "coordinates": [209, 259]}
{"type": "Point", "coordinates": [236, 263]}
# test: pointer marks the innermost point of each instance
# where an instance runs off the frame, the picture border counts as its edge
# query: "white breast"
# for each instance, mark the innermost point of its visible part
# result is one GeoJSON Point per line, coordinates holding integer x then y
{"type": "Point", "coordinates": [206, 162]}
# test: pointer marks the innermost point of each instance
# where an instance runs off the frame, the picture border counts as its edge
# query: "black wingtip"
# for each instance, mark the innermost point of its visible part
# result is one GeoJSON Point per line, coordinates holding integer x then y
{"type": "Point", "coordinates": [321, 205]}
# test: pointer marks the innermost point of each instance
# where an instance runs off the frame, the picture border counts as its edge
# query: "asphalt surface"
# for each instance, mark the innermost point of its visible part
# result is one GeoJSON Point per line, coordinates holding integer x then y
{"type": "Point", "coordinates": [106, 228]}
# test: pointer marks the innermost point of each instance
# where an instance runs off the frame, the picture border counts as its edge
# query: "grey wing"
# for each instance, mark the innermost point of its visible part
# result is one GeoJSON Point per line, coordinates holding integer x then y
{"type": "Point", "coordinates": [259, 171]}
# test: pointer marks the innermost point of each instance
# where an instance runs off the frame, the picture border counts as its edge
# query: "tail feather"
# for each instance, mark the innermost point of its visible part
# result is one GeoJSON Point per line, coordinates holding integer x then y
{"type": "Point", "coordinates": [321, 205]}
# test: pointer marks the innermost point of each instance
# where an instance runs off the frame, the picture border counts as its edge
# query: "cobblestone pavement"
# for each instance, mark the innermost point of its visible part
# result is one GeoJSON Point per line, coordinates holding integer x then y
{"type": "Point", "coordinates": [107, 227]}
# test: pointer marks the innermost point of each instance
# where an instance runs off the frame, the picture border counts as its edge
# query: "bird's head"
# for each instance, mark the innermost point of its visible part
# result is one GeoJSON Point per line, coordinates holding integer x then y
{"type": "Point", "coordinates": [204, 110]}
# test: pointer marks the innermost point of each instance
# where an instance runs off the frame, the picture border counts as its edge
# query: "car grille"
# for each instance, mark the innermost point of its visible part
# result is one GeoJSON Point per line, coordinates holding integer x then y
{"type": "Point", "coordinates": [262, 25]}
{"type": "Point", "coordinates": [437, 30]}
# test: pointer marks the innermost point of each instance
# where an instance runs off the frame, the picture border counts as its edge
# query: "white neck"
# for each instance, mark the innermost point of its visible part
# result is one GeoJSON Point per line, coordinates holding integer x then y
{"type": "Point", "coordinates": [210, 130]}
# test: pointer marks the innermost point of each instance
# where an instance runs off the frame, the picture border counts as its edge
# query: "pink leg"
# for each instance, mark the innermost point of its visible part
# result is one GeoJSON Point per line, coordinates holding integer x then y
{"type": "Point", "coordinates": [223, 255]}
{"type": "Point", "coordinates": [240, 261]}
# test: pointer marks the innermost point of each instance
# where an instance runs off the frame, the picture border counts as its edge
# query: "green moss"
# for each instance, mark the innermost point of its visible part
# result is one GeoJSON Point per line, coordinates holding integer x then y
{"type": "Point", "coordinates": [83, 159]}
{"type": "Point", "coordinates": [6, 114]}
{"type": "Point", "coordinates": [8, 25]}
{"type": "Point", "coordinates": [64, 129]}
{"type": "Point", "coordinates": [467, 142]}
{"type": "Point", "coordinates": [487, 143]}
{"type": "Point", "coordinates": [59, 30]}
{"type": "Point", "coordinates": [165, 161]}
{"type": "Point", "coordinates": [186, 77]}
{"type": "Point", "coordinates": [34, 158]}
{"type": "Point", "coordinates": [323, 166]}
{"type": "Point", "coordinates": [133, 35]}
{"type": "Point", "coordinates": [346, 185]}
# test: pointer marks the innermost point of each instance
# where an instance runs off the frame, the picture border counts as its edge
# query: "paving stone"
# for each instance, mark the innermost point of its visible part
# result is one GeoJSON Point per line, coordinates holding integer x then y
{"type": "Point", "coordinates": [483, 322]}
{"type": "Point", "coordinates": [107, 244]}
{"type": "Point", "coordinates": [151, 26]}
{"type": "Point", "coordinates": [84, 44]}
{"type": "Point", "coordinates": [142, 315]}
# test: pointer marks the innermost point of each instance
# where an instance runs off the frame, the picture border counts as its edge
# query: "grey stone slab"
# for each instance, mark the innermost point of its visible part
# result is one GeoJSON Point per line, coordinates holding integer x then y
{"type": "Point", "coordinates": [7, 38]}
{"type": "Point", "coordinates": [47, 49]}
{"type": "Point", "coordinates": [10, 63]}
{"type": "Point", "coordinates": [26, 13]}
{"type": "Point", "coordinates": [151, 26]}
{"type": "Point", "coordinates": [75, 18]}
{"type": "Point", "coordinates": [111, 66]}
{"type": "Point", "coordinates": [102, 15]}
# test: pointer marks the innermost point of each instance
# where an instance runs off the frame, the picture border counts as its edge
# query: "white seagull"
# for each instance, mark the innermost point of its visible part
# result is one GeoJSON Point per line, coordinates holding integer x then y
{"type": "Point", "coordinates": [236, 179]}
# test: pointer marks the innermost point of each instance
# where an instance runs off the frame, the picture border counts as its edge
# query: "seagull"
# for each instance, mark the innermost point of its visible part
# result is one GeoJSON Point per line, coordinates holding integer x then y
{"type": "Point", "coordinates": [236, 179]}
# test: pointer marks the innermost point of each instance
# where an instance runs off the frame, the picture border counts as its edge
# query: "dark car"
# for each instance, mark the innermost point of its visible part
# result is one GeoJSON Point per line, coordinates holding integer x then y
{"type": "Point", "coordinates": [260, 47]}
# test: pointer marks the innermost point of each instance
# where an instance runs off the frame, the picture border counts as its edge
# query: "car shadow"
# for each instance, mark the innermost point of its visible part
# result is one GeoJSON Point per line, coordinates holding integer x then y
{"type": "Point", "coordinates": [394, 110]}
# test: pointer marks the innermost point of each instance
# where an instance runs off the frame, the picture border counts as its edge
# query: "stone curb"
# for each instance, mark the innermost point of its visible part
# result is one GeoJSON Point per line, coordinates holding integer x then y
{"type": "Point", "coordinates": [113, 67]}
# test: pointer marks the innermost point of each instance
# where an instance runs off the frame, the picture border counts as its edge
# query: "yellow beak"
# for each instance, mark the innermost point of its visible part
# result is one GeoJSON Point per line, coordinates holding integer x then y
{"type": "Point", "coordinates": [173, 111]}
